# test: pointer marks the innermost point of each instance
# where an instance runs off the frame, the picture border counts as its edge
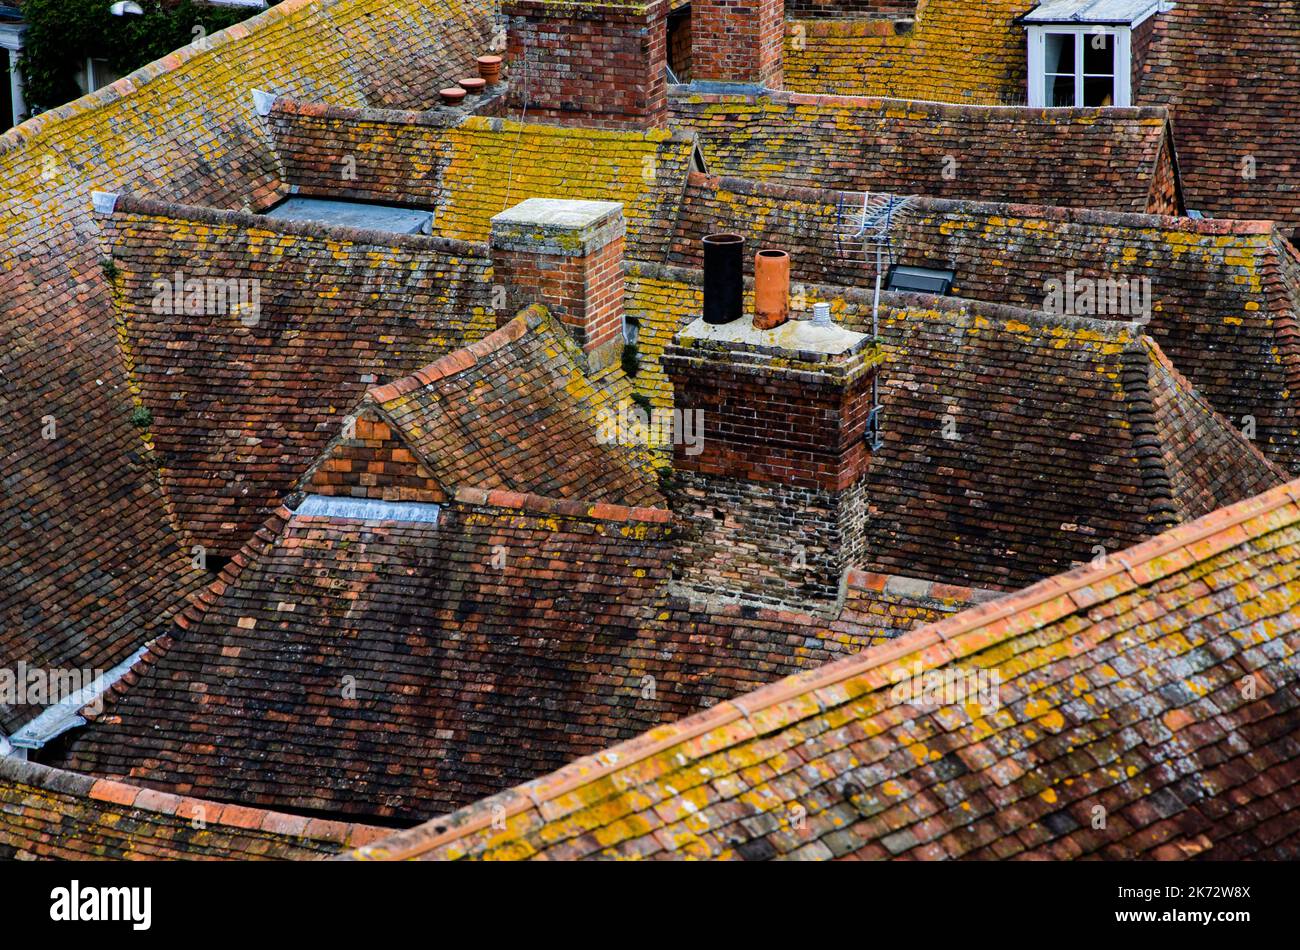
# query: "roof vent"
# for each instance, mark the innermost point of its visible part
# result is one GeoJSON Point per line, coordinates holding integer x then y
{"type": "Point", "coordinates": [822, 315]}
{"type": "Point", "coordinates": [921, 280]}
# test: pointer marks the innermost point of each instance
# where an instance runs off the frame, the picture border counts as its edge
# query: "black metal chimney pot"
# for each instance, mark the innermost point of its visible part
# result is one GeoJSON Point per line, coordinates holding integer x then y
{"type": "Point", "coordinates": [724, 278]}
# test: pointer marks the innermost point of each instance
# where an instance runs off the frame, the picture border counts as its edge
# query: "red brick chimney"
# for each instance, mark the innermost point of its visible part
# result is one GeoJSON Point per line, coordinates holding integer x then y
{"type": "Point", "coordinates": [776, 486]}
{"type": "Point", "coordinates": [737, 41]}
{"type": "Point", "coordinates": [788, 406]}
{"type": "Point", "coordinates": [598, 65]}
{"type": "Point", "coordinates": [568, 256]}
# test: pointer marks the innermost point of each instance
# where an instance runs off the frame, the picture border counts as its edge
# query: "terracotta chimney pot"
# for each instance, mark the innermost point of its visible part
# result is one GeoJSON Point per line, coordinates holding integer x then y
{"type": "Point", "coordinates": [489, 67]}
{"type": "Point", "coordinates": [771, 289]}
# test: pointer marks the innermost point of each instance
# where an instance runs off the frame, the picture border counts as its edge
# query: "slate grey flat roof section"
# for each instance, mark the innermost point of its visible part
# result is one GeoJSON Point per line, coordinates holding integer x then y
{"type": "Point", "coordinates": [1108, 12]}
{"type": "Point", "coordinates": [354, 214]}
{"type": "Point", "coordinates": [367, 509]}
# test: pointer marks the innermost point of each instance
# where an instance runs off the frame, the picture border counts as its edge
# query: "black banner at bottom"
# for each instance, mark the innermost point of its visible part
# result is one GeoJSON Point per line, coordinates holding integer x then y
{"type": "Point", "coordinates": [335, 901]}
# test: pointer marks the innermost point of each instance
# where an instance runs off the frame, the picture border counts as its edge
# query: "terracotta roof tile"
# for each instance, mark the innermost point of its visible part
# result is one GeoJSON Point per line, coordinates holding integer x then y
{"type": "Point", "coordinates": [991, 786]}
{"type": "Point", "coordinates": [469, 168]}
{"type": "Point", "coordinates": [49, 814]}
{"type": "Point", "coordinates": [1235, 139]}
{"type": "Point", "coordinates": [1033, 403]}
{"type": "Point", "coordinates": [515, 411]}
{"type": "Point", "coordinates": [957, 51]}
{"type": "Point", "coordinates": [1223, 294]}
{"type": "Point", "coordinates": [574, 629]}
{"type": "Point", "coordinates": [240, 404]}
{"type": "Point", "coordinates": [1108, 159]}
{"type": "Point", "coordinates": [91, 563]}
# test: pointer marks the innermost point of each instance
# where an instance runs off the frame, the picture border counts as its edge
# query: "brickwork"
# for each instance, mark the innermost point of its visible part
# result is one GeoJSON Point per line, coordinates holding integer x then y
{"type": "Point", "coordinates": [776, 544]}
{"type": "Point", "coordinates": [737, 41]}
{"type": "Point", "coordinates": [585, 293]}
{"type": "Point", "coordinates": [599, 65]}
{"type": "Point", "coordinates": [370, 461]}
{"type": "Point", "coordinates": [679, 47]}
{"type": "Point", "coordinates": [576, 271]}
{"type": "Point", "coordinates": [771, 424]}
{"type": "Point", "coordinates": [776, 493]}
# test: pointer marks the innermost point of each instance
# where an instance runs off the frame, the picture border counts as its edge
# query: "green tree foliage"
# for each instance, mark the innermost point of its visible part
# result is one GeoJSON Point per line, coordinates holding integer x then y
{"type": "Point", "coordinates": [63, 34]}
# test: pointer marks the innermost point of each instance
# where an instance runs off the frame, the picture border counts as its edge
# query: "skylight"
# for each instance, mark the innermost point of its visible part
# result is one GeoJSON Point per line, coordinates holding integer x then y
{"type": "Point", "coordinates": [921, 280]}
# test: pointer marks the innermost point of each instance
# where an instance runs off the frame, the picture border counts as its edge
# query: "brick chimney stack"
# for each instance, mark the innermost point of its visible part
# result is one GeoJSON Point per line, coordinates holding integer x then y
{"type": "Point", "coordinates": [778, 486]}
{"type": "Point", "coordinates": [597, 65]}
{"type": "Point", "coordinates": [739, 41]}
{"type": "Point", "coordinates": [567, 256]}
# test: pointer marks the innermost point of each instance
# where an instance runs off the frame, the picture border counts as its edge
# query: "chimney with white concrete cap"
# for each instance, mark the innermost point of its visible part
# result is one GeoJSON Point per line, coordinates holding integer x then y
{"type": "Point", "coordinates": [568, 256]}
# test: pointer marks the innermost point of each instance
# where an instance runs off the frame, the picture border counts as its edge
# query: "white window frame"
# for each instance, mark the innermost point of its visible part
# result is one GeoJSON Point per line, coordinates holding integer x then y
{"type": "Point", "coordinates": [1122, 37]}
{"type": "Point", "coordinates": [92, 81]}
{"type": "Point", "coordinates": [11, 46]}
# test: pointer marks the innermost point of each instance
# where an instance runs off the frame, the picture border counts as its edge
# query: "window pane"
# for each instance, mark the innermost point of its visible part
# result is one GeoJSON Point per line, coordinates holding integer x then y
{"type": "Point", "coordinates": [1060, 91]}
{"type": "Point", "coordinates": [1059, 53]}
{"type": "Point", "coordinates": [1099, 91]}
{"type": "Point", "coordinates": [1099, 55]}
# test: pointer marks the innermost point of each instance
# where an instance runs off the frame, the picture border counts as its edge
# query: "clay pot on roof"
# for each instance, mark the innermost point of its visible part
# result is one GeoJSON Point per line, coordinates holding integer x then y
{"type": "Point", "coordinates": [771, 288]}
{"type": "Point", "coordinates": [489, 67]}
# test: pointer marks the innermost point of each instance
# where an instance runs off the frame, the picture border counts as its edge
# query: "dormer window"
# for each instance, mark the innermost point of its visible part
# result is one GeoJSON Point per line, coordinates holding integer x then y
{"type": "Point", "coordinates": [1081, 51]}
{"type": "Point", "coordinates": [1079, 69]}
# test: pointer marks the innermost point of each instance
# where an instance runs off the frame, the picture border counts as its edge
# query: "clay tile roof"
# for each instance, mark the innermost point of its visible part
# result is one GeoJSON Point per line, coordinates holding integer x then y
{"type": "Point", "coordinates": [468, 169]}
{"type": "Point", "coordinates": [238, 402]}
{"type": "Point", "coordinates": [513, 635]}
{"type": "Point", "coordinates": [50, 814]}
{"type": "Point", "coordinates": [965, 51]}
{"type": "Point", "coordinates": [1232, 124]}
{"type": "Point", "coordinates": [1017, 446]}
{"type": "Point", "coordinates": [516, 411]}
{"type": "Point", "coordinates": [91, 563]}
{"type": "Point", "coordinates": [1153, 689]}
{"type": "Point", "coordinates": [1223, 294]}
{"type": "Point", "coordinates": [460, 658]}
{"type": "Point", "coordinates": [1114, 159]}
{"type": "Point", "coordinates": [1235, 129]}
{"type": "Point", "coordinates": [1072, 433]}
